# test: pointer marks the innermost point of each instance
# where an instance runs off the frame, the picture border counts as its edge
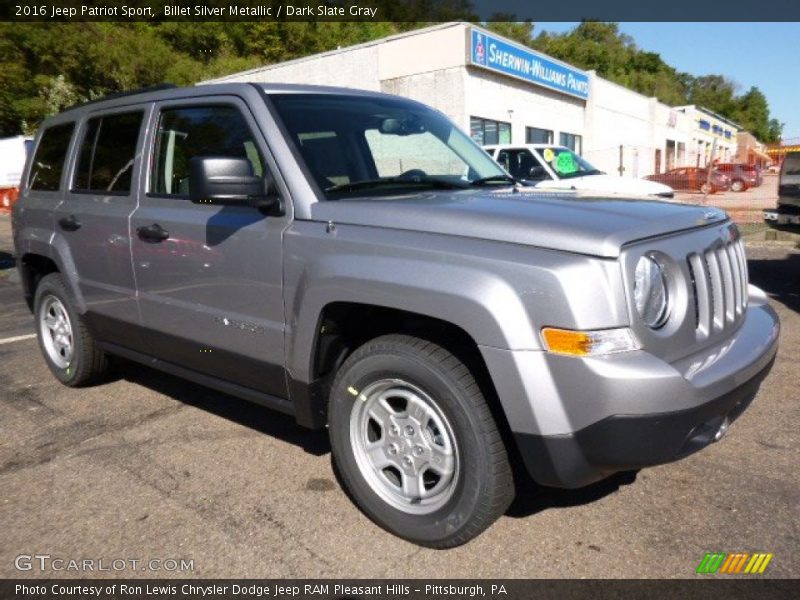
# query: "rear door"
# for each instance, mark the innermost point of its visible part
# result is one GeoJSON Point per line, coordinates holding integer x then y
{"type": "Point", "coordinates": [210, 277]}
{"type": "Point", "coordinates": [44, 187]}
{"type": "Point", "coordinates": [92, 221]}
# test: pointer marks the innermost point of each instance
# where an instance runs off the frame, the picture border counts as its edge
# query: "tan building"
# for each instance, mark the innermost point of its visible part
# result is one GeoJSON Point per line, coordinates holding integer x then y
{"type": "Point", "coordinates": [750, 150]}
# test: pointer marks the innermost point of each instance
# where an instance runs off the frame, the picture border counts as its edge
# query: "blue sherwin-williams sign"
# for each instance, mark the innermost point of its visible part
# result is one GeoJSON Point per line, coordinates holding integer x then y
{"type": "Point", "coordinates": [494, 54]}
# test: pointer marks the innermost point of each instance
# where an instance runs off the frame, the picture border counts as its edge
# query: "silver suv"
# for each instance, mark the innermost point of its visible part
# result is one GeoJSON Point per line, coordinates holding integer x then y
{"type": "Point", "coordinates": [354, 260]}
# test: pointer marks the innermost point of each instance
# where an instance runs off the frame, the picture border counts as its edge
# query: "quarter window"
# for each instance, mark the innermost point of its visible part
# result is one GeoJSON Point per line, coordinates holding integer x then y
{"type": "Point", "coordinates": [183, 133]}
{"type": "Point", "coordinates": [48, 162]}
{"type": "Point", "coordinates": [108, 151]}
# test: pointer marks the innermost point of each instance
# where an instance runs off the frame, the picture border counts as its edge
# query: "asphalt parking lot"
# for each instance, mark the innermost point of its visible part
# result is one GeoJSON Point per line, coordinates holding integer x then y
{"type": "Point", "coordinates": [147, 466]}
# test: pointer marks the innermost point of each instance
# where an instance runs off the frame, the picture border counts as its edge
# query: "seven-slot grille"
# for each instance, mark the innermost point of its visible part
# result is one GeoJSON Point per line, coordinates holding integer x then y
{"type": "Point", "coordinates": [719, 284]}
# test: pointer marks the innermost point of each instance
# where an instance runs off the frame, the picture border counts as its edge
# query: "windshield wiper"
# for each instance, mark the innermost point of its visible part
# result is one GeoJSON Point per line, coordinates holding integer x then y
{"type": "Point", "coordinates": [493, 179]}
{"type": "Point", "coordinates": [393, 181]}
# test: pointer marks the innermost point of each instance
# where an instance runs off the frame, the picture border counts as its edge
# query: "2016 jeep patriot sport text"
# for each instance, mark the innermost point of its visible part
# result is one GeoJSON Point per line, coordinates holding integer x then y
{"type": "Point", "coordinates": [355, 260]}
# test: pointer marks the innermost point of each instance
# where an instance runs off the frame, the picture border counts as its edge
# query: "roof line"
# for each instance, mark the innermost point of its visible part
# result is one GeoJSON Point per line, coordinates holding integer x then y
{"type": "Point", "coordinates": [361, 46]}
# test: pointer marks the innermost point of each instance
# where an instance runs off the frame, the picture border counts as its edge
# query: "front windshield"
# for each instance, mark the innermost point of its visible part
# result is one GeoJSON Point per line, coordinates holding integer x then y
{"type": "Point", "coordinates": [354, 145]}
{"type": "Point", "coordinates": [566, 163]}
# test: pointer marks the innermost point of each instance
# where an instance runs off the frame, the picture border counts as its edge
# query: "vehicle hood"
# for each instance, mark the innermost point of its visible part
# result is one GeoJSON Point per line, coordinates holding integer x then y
{"type": "Point", "coordinates": [567, 221]}
{"type": "Point", "coordinates": [609, 184]}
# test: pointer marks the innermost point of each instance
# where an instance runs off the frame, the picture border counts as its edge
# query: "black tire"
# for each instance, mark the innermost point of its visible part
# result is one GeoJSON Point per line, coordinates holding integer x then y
{"type": "Point", "coordinates": [481, 488]}
{"type": "Point", "coordinates": [706, 188]}
{"type": "Point", "coordinates": [87, 363]}
{"type": "Point", "coordinates": [737, 185]}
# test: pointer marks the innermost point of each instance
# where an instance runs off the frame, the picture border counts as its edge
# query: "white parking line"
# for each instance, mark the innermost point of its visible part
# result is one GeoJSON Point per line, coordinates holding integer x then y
{"type": "Point", "coordinates": [17, 338]}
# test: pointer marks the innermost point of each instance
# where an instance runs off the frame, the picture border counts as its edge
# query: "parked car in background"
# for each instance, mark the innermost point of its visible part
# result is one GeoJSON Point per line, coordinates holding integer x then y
{"type": "Point", "coordinates": [13, 151]}
{"type": "Point", "coordinates": [742, 176]}
{"type": "Point", "coordinates": [551, 167]}
{"type": "Point", "coordinates": [693, 179]}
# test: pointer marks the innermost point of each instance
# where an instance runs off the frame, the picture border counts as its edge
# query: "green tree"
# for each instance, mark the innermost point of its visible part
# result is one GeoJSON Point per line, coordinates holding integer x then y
{"type": "Point", "coordinates": [521, 32]}
{"type": "Point", "coordinates": [752, 112]}
{"type": "Point", "coordinates": [45, 67]}
{"type": "Point", "coordinates": [714, 92]}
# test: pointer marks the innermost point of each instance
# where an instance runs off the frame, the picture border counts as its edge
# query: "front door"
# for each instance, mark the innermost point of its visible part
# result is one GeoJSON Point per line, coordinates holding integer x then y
{"type": "Point", "coordinates": [209, 277]}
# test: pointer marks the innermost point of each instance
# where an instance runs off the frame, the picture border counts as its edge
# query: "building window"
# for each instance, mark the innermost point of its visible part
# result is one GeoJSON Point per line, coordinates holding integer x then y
{"type": "Point", "coordinates": [571, 141]}
{"type": "Point", "coordinates": [486, 131]}
{"type": "Point", "coordinates": [534, 135]}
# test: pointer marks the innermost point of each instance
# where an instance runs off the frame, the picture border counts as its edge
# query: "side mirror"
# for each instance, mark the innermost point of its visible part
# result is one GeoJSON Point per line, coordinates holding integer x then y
{"type": "Point", "coordinates": [228, 181]}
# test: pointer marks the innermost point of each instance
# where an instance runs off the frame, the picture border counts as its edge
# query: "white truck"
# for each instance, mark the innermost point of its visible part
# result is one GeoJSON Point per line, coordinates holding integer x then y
{"type": "Point", "coordinates": [545, 166]}
{"type": "Point", "coordinates": [13, 151]}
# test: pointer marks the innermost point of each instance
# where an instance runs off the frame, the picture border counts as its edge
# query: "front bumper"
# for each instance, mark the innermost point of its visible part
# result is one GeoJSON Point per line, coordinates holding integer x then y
{"type": "Point", "coordinates": [626, 442]}
{"type": "Point", "coordinates": [783, 215]}
{"type": "Point", "coordinates": [589, 418]}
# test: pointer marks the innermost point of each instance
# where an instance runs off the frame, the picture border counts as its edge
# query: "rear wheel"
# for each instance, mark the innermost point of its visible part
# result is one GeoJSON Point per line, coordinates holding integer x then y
{"type": "Point", "coordinates": [737, 185]}
{"type": "Point", "coordinates": [706, 188]}
{"type": "Point", "coordinates": [68, 348]}
{"type": "Point", "coordinates": [416, 444]}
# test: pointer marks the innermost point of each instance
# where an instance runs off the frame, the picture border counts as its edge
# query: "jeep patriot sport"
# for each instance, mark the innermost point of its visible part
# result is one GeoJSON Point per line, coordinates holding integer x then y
{"type": "Point", "coordinates": [354, 260]}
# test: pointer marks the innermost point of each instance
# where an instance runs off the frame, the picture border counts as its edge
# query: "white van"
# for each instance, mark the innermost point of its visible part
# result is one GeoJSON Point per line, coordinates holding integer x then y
{"type": "Point", "coordinates": [546, 166]}
{"type": "Point", "coordinates": [13, 151]}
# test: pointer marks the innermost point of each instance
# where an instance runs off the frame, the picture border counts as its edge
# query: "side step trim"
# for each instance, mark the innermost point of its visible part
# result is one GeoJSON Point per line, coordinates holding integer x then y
{"type": "Point", "coordinates": [280, 404]}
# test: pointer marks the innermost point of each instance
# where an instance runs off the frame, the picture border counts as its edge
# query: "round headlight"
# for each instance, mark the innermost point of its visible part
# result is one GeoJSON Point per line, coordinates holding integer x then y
{"type": "Point", "coordinates": [650, 292]}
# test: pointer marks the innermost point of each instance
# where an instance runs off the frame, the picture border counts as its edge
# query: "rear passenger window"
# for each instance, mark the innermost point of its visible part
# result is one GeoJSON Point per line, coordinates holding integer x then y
{"type": "Point", "coordinates": [107, 154]}
{"type": "Point", "coordinates": [183, 133]}
{"type": "Point", "coordinates": [48, 162]}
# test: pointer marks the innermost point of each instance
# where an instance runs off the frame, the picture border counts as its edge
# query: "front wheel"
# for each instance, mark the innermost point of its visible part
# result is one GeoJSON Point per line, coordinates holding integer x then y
{"type": "Point", "coordinates": [738, 185]}
{"type": "Point", "coordinates": [706, 188]}
{"type": "Point", "coordinates": [416, 444]}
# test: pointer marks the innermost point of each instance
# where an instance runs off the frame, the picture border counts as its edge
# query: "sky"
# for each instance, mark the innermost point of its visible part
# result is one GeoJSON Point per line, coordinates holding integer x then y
{"type": "Point", "coordinates": [759, 54]}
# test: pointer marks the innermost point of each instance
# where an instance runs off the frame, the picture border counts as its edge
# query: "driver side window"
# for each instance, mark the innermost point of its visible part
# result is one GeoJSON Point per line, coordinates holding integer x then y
{"type": "Point", "coordinates": [522, 165]}
{"type": "Point", "coordinates": [183, 133]}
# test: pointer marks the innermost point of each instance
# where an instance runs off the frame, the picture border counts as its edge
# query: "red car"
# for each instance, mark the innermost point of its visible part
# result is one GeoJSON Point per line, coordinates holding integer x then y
{"type": "Point", "coordinates": [742, 176]}
{"type": "Point", "coordinates": [693, 179]}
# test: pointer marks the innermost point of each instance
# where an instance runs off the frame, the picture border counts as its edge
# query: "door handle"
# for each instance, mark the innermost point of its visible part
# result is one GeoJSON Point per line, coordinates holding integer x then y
{"type": "Point", "coordinates": [69, 223]}
{"type": "Point", "coordinates": [152, 233]}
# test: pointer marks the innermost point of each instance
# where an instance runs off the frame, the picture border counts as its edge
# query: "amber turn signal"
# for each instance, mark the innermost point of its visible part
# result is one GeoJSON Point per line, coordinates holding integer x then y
{"type": "Point", "coordinates": [588, 343]}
